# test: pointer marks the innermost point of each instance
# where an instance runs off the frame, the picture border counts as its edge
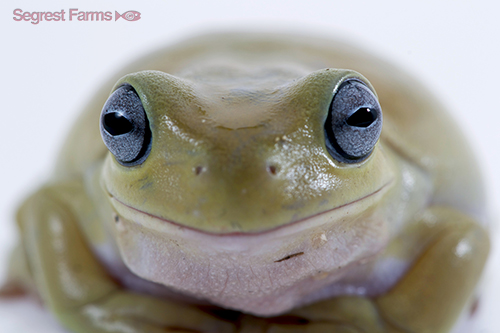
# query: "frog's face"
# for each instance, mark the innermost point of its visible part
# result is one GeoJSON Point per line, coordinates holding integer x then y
{"type": "Point", "coordinates": [226, 155]}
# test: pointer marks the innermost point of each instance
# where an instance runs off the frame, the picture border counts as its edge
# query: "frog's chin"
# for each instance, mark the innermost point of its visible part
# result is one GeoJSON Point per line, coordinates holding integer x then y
{"type": "Point", "coordinates": [265, 273]}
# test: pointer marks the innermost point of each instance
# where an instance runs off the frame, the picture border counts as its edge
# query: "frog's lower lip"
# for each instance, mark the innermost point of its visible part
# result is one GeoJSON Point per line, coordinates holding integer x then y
{"type": "Point", "coordinates": [260, 232]}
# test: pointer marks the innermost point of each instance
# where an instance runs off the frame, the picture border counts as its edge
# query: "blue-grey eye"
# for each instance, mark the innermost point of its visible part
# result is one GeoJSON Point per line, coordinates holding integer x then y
{"type": "Point", "coordinates": [354, 122]}
{"type": "Point", "coordinates": [125, 126]}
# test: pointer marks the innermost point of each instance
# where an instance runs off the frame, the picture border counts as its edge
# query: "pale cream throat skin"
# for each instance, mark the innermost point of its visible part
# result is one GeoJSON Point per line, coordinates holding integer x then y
{"type": "Point", "coordinates": [239, 204]}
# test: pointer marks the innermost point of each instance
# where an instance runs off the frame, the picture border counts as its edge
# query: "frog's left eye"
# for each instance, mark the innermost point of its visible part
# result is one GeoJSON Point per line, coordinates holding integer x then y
{"type": "Point", "coordinates": [354, 122]}
{"type": "Point", "coordinates": [125, 127]}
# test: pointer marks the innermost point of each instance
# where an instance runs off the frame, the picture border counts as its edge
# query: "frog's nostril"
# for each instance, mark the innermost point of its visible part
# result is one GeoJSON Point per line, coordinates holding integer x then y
{"type": "Point", "coordinates": [199, 169]}
{"type": "Point", "coordinates": [272, 169]}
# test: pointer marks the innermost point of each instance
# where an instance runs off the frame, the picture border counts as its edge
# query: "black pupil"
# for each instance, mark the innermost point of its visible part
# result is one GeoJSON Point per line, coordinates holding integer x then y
{"type": "Point", "coordinates": [364, 117]}
{"type": "Point", "coordinates": [116, 124]}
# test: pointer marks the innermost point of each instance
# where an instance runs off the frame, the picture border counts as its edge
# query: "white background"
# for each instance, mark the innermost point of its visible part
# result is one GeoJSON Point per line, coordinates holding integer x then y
{"type": "Point", "coordinates": [50, 69]}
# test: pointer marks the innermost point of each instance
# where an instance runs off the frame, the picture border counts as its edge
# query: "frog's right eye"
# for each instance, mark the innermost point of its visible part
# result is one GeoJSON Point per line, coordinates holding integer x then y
{"type": "Point", "coordinates": [354, 122]}
{"type": "Point", "coordinates": [125, 127]}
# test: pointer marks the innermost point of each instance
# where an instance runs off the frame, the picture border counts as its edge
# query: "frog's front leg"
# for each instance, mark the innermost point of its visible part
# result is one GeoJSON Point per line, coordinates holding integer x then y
{"type": "Point", "coordinates": [78, 289]}
{"type": "Point", "coordinates": [432, 294]}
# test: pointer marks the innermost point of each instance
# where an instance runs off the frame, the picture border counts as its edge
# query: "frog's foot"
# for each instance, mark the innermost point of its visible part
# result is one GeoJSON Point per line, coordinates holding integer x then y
{"type": "Point", "coordinates": [441, 282]}
{"type": "Point", "coordinates": [134, 313]}
{"type": "Point", "coordinates": [18, 277]}
{"type": "Point", "coordinates": [293, 324]}
{"type": "Point", "coordinates": [344, 314]}
{"type": "Point", "coordinates": [80, 291]}
{"type": "Point", "coordinates": [433, 293]}
{"type": "Point", "coordinates": [11, 289]}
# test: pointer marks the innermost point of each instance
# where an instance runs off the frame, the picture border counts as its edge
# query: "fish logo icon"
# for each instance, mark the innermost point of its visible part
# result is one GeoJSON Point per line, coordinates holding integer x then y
{"type": "Point", "coordinates": [130, 15]}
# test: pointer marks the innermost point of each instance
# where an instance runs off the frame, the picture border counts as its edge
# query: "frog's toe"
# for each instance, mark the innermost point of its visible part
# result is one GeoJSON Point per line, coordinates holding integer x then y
{"type": "Point", "coordinates": [344, 314]}
{"type": "Point", "coordinates": [314, 328]}
{"type": "Point", "coordinates": [124, 312]}
{"type": "Point", "coordinates": [294, 324]}
{"type": "Point", "coordinates": [11, 289]}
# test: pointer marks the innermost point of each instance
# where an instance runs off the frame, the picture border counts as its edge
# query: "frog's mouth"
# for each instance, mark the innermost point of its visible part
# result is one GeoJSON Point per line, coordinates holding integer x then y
{"type": "Point", "coordinates": [355, 205]}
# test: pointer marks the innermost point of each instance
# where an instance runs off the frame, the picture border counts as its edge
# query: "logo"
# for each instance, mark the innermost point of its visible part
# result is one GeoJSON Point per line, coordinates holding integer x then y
{"type": "Point", "coordinates": [73, 14]}
{"type": "Point", "coordinates": [131, 15]}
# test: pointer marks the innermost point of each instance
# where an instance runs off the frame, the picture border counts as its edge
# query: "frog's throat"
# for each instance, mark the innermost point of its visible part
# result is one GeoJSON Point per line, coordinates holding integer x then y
{"type": "Point", "coordinates": [119, 205]}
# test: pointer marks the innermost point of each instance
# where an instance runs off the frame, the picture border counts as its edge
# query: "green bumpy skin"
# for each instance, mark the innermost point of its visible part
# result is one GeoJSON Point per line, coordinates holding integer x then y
{"type": "Point", "coordinates": [240, 220]}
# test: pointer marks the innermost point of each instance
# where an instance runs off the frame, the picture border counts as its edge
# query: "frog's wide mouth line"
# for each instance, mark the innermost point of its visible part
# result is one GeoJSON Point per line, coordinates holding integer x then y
{"type": "Point", "coordinates": [181, 227]}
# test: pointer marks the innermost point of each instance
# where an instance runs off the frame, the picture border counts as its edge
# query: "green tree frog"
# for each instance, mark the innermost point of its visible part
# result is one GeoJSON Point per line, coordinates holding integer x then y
{"type": "Point", "coordinates": [258, 183]}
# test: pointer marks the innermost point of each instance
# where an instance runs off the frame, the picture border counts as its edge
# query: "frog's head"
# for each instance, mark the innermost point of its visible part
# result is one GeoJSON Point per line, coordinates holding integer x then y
{"type": "Point", "coordinates": [221, 176]}
{"type": "Point", "coordinates": [232, 155]}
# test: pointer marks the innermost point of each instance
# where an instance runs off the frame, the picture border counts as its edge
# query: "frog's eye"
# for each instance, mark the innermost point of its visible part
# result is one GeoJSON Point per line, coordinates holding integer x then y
{"type": "Point", "coordinates": [354, 122]}
{"type": "Point", "coordinates": [125, 127]}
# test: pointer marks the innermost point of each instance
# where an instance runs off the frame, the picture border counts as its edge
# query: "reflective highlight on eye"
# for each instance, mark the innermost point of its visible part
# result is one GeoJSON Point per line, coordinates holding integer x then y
{"type": "Point", "coordinates": [364, 117]}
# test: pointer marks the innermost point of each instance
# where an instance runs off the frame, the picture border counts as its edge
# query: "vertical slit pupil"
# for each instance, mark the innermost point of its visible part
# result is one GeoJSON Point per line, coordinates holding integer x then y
{"type": "Point", "coordinates": [116, 124]}
{"type": "Point", "coordinates": [364, 117]}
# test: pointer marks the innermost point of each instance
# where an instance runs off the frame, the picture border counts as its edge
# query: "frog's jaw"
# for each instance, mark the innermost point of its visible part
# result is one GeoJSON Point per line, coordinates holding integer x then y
{"type": "Point", "coordinates": [263, 273]}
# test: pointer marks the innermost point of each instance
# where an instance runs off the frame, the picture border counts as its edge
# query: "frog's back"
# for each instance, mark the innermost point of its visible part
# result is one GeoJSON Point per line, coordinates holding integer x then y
{"type": "Point", "coordinates": [416, 127]}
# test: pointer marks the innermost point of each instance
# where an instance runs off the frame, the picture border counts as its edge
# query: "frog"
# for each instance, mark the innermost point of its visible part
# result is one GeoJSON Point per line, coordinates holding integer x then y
{"type": "Point", "coordinates": [254, 182]}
